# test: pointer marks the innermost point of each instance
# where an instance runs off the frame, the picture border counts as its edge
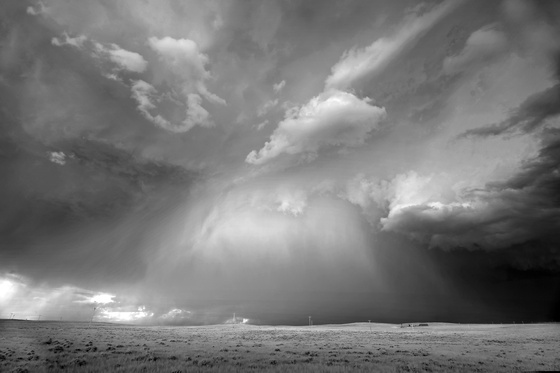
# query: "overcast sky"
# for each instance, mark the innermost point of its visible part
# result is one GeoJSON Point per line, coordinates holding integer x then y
{"type": "Point", "coordinates": [177, 161]}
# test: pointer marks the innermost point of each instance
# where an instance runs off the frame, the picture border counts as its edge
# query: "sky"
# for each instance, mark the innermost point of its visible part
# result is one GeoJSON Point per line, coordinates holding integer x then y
{"type": "Point", "coordinates": [174, 162]}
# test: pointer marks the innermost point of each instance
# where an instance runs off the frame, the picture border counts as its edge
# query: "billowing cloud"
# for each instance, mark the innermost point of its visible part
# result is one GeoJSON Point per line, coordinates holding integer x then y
{"type": "Point", "coordinates": [382, 199]}
{"type": "Point", "coordinates": [481, 46]}
{"type": "Point", "coordinates": [183, 58]}
{"type": "Point", "coordinates": [27, 300]}
{"type": "Point", "coordinates": [293, 202]}
{"type": "Point", "coordinates": [334, 118]}
{"type": "Point", "coordinates": [185, 71]}
{"type": "Point", "coordinates": [359, 64]}
{"type": "Point", "coordinates": [100, 211]}
{"type": "Point", "coordinates": [517, 212]}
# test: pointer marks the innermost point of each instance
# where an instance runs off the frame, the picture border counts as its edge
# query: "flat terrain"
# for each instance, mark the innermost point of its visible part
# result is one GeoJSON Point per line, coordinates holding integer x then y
{"type": "Point", "coordinates": [52, 346]}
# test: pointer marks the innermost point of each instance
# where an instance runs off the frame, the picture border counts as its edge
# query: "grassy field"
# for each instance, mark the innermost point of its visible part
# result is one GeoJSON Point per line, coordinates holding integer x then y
{"type": "Point", "coordinates": [38, 346]}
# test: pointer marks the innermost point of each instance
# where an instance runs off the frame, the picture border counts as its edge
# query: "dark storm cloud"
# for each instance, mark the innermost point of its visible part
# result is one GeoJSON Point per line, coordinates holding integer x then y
{"type": "Point", "coordinates": [521, 212]}
{"type": "Point", "coordinates": [58, 92]}
{"type": "Point", "coordinates": [82, 201]}
{"type": "Point", "coordinates": [77, 193]}
{"type": "Point", "coordinates": [101, 204]}
{"type": "Point", "coordinates": [519, 215]}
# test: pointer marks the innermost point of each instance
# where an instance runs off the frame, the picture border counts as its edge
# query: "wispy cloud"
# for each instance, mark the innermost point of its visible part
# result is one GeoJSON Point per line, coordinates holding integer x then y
{"type": "Point", "coordinates": [127, 60]}
{"type": "Point", "coordinates": [39, 9]}
{"type": "Point", "coordinates": [122, 58]}
{"type": "Point", "coordinates": [531, 115]}
{"type": "Point", "coordinates": [77, 41]}
{"type": "Point", "coordinates": [279, 86]}
{"type": "Point", "coordinates": [144, 94]}
{"type": "Point", "coordinates": [358, 64]}
{"type": "Point", "coordinates": [481, 47]}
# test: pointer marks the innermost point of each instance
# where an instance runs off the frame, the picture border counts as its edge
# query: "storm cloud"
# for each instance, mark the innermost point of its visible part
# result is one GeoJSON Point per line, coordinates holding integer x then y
{"type": "Point", "coordinates": [173, 163]}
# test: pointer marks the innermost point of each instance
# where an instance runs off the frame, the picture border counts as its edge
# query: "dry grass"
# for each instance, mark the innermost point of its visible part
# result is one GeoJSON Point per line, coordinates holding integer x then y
{"type": "Point", "coordinates": [53, 346]}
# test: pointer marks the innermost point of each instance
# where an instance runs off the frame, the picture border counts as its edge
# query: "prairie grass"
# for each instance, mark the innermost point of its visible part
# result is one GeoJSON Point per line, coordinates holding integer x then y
{"type": "Point", "coordinates": [76, 347]}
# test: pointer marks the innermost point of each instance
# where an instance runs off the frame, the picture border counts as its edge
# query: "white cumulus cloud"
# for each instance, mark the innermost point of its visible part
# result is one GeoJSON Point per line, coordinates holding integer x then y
{"type": "Point", "coordinates": [333, 118]}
